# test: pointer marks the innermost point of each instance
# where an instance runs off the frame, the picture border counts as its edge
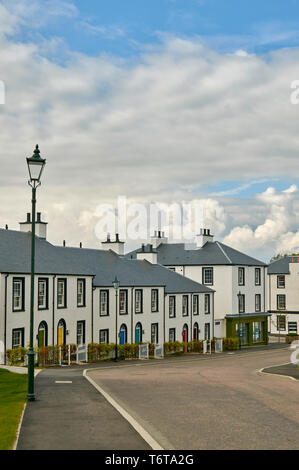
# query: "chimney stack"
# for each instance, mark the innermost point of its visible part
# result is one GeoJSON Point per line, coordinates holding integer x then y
{"type": "Point", "coordinates": [204, 237]}
{"type": "Point", "coordinates": [147, 253]}
{"type": "Point", "coordinates": [40, 227]}
{"type": "Point", "coordinates": [117, 246]}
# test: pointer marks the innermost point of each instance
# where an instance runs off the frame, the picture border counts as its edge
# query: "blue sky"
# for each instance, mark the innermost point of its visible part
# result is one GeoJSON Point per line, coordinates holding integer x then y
{"type": "Point", "coordinates": [123, 27]}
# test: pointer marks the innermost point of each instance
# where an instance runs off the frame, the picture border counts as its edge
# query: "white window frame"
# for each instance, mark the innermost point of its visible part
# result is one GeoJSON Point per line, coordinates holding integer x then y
{"type": "Point", "coordinates": [154, 300]}
{"type": "Point", "coordinates": [104, 303]}
{"type": "Point", "coordinates": [172, 306]}
{"type": "Point", "coordinates": [18, 296]}
{"type": "Point", "coordinates": [105, 334]}
{"type": "Point", "coordinates": [80, 333]}
{"type": "Point", "coordinates": [138, 300]}
{"type": "Point", "coordinates": [258, 305]}
{"type": "Point", "coordinates": [17, 344]}
{"type": "Point", "coordinates": [42, 297]}
{"type": "Point", "coordinates": [258, 276]}
{"type": "Point", "coordinates": [196, 304]}
{"type": "Point", "coordinates": [61, 293]}
{"type": "Point", "coordinates": [209, 271]}
{"type": "Point", "coordinates": [123, 303]}
{"type": "Point", "coordinates": [81, 293]}
{"type": "Point", "coordinates": [281, 281]}
{"type": "Point", "coordinates": [185, 305]}
{"type": "Point", "coordinates": [207, 304]}
{"type": "Point", "coordinates": [241, 276]}
{"type": "Point", "coordinates": [281, 300]}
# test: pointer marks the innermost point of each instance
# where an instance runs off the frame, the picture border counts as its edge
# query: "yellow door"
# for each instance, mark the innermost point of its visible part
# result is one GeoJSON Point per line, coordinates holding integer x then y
{"type": "Point", "coordinates": [60, 336]}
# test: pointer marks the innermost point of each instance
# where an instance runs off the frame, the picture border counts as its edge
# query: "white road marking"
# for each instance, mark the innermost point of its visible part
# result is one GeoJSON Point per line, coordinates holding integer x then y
{"type": "Point", "coordinates": [143, 433]}
{"type": "Point", "coordinates": [63, 381]}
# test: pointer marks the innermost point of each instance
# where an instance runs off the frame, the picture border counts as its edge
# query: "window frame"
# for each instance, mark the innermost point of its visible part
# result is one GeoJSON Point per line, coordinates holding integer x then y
{"type": "Point", "coordinates": [195, 312]}
{"type": "Point", "coordinates": [157, 300]}
{"type": "Point", "coordinates": [258, 270]}
{"type": "Point", "coordinates": [185, 298]}
{"type": "Point", "coordinates": [139, 291]}
{"type": "Point", "coordinates": [83, 280]}
{"type": "Point", "coordinates": [126, 302]}
{"type": "Point", "coordinates": [106, 331]}
{"type": "Point", "coordinates": [278, 322]}
{"type": "Point", "coordinates": [64, 281]}
{"type": "Point", "coordinates": [174, 306]}
{"type": "Point", "coordinates": [173, 330]}
{"type": "Point", "coordinates": [281, 276]}
{"type": "Point", "coordinates": [20, 280]}
{"type": "Point", "coordinates": [22, 332]}
{"type": "Point", "coordinates": [284, 297]}
{"type": "Point", "coordinates": [241, 269]}
{"type": "Point", "coordinates": [207, 312]}
{"type": "Point", "coordinates": [292, 329]}
{"type": "Point", "coordinates": [204, 270]}
{"type": "Point", "coordinates": [106, 291]}
{"type": "Point", "coordinates": [258, 296]}
{"type": "Point", "coordinates": [82, 322]}
{"type": "Point", "coordinates": [243, 309]}
{"type": "Point", "coordinates": [46, 281]}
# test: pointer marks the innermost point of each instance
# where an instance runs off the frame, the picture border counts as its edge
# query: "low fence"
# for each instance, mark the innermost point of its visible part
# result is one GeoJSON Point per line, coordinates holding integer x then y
{"type": "Point", "coordinates": [94, 352]}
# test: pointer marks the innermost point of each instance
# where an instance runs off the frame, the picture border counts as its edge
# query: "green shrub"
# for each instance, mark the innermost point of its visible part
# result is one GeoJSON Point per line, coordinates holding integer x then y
{"type": "Point", "coordinates": [16, 356]}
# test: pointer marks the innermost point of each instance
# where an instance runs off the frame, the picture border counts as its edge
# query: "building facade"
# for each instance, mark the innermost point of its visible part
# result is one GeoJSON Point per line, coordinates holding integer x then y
{"type": "Point", "coordinates": [283, 296]}
{"type": "Point", "coordinates": [75, 302]}
{"type": "Point", "coordinates": [239, 282]}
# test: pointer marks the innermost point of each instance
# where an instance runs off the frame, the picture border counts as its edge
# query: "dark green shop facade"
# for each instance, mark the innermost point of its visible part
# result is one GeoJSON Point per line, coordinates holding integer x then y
{"type": "Point", "coordinates": [252, 329]}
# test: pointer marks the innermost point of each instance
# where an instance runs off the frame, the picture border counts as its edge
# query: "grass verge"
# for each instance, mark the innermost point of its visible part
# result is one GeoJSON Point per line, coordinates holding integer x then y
{"type": "Point", "coordinates": [13, 390]}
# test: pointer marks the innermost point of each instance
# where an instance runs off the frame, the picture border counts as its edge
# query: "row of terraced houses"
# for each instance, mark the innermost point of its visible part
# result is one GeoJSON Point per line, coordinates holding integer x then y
{"type": "Point", "coordinates": [167, 292]}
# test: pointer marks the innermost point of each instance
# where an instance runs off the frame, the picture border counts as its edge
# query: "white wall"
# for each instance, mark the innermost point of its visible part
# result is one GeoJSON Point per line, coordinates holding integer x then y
{"type": "Point", "coordinates": [291, 291]}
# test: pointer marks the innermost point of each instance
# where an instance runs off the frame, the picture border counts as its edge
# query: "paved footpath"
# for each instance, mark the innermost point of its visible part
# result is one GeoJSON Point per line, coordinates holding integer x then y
{"type": "Point", "coordinates": [71, 416]}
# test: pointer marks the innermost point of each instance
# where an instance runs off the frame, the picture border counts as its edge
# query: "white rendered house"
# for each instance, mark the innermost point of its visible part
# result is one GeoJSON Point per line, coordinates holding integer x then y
{"type": "Point", "coordinates": [227, 271]}
{"type": "Point", "coordinates": [283, 296]}
{"type": "Point", "coordinates": [75, 301]}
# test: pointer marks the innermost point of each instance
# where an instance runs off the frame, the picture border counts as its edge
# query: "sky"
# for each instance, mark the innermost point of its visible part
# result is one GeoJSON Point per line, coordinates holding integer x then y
{"type": "Point", "coordinates": [159, 101]}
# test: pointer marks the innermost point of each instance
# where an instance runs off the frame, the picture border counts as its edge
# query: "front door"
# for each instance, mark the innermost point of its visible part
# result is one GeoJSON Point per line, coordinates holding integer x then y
{"type": "Point", "coordinates": [137, 335]}
{"type": "Point", "coordinates": [41, 338]}
{"type": "Point", "coordinates": [122, 337]}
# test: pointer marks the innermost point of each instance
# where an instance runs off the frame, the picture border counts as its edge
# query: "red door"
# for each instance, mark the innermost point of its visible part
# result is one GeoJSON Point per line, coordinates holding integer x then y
{"type": "Point", "coordinates": [195, 335]}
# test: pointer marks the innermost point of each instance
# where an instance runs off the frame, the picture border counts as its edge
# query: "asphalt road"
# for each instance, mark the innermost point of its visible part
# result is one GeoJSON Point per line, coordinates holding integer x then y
{"type": "Point", "coordinates": [73, 416]}
{"type": "Point", "coordinates": [210, 403]}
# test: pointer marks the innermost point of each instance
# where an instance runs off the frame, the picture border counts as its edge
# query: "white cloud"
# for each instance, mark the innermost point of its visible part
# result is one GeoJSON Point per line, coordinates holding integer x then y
{"type": "Point", "coordinates": [178, 117]}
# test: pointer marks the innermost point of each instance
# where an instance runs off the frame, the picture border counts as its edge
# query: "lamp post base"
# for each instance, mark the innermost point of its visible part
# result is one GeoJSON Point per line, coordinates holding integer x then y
{"type": "Point", "coordinates": [31, 397]}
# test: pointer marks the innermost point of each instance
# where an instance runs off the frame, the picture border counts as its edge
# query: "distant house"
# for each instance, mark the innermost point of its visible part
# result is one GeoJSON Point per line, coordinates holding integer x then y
{"type": "Point", "coordinates": [75, 301]}
{"type": "Point", "coordinates": [227, 271]}
{"type": "Point", "coordinates": [283, 294]}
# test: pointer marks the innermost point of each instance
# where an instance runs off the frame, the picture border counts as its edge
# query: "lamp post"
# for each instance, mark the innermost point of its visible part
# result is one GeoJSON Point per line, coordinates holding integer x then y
{"type": "Point", "coordinates": [36, 165]}
{"type": "Point", "coordinates": [115, 284]}
{"type": "Point", "coordinates": [239, 329]}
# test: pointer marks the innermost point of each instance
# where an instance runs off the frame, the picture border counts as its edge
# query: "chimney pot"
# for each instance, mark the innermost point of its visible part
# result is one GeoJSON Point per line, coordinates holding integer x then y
{"type": "Point", "coordinates": [117, 237]}
{"type": "Point", "coordinates": [38, 217]}
{"type": "Point", "coordinates": [28, 217]}
{"type": "Point", "coordinates": [6, 227]}
{"type": "Point", "coordinates": [80, 244]}
{"type": "Point", "coordinates": [63, 242]}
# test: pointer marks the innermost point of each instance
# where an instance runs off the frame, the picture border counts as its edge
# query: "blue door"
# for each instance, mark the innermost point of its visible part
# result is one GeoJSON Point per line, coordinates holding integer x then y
{"type": "Point", "coordinates": [122, 337]}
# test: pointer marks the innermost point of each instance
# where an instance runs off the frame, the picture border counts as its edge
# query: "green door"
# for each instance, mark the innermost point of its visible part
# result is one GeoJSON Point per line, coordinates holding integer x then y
{"type": "Point", "coordinates": [41, 338]}
{"type": "Point", "coordinates": [137, 335]}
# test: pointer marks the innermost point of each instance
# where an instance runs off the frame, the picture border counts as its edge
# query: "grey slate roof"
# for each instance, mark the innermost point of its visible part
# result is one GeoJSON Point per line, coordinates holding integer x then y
{"type": "Point", "coordinates": [212, 253]}
{"type": "Point", "coordinates": [103, 265]}
{"type": "Point", "coordinates": [281, 266]}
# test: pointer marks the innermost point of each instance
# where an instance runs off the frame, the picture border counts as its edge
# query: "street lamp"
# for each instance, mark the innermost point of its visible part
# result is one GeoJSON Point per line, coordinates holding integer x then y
{"type": "Point", "coordinates": [239, 305]}
{"type": "Point", "coordinates": [115, 284]}
{"type": "Point", "coordinates": [36, 165]}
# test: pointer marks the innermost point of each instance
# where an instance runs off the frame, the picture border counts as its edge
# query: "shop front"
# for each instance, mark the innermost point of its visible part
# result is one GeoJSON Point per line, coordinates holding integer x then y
{"type": "Point", "coordinates": [251, 329]}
